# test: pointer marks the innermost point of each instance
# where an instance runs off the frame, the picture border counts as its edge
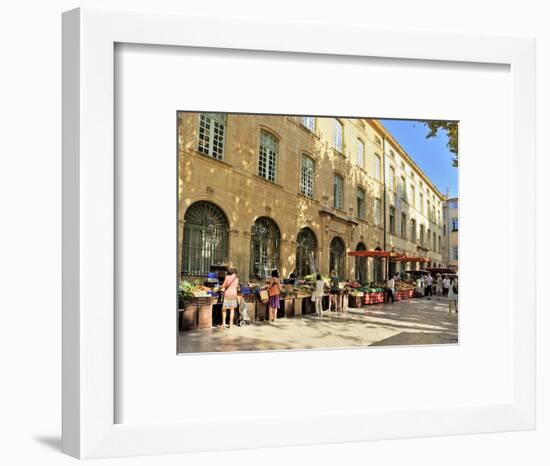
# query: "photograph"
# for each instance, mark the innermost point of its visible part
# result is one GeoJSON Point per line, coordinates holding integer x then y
{"type": "Point", "coordinates": [316, 232]}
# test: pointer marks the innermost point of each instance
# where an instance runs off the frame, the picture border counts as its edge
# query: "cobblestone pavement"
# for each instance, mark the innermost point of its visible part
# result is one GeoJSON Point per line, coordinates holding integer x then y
{"type": "Point", "coordinates": [409, 322]}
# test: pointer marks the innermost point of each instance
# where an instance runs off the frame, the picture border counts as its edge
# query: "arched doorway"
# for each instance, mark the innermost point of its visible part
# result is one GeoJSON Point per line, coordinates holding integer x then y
{"type": "Point", "coordinates": [265, 239]}
{"type": "Point", "coordinates": [306, 253]}
{"type": "Point", "coordinates": [337, 257]}
{"type": "Point", "coordinates": [361, 264]}
{"type": "Point", "coordinates": [205, 238]}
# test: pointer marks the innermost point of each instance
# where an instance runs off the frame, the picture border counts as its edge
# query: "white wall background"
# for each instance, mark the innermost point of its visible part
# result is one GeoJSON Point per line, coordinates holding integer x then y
{"type": "Point", "coordinates": [30, 226]}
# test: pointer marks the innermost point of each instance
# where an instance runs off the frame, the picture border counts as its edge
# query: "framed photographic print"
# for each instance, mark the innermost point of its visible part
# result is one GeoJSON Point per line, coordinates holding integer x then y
{"type": "Point", "coordinates": [275, 238]}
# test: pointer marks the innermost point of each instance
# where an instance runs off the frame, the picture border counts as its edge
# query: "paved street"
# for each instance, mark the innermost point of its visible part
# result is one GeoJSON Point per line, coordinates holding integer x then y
{"type": "Point", "coordinates": [408, 322]}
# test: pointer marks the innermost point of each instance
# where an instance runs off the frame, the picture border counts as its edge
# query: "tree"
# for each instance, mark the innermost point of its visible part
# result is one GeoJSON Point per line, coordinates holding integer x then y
{"type": "Point", "coordinates": [451, 130]}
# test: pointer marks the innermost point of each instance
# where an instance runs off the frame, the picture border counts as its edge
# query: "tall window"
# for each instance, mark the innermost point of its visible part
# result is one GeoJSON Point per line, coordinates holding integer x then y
{"type": "Point", "coordinates": [434, 218]}
{"type": "Point", "coordinates": [413, 229]}
{"type": "Point", "coordinates": [429, 213]}
{"type": "Point", "coordinates": [454, 224]}
{"type": "Point", "coordinates": [413, 196]}
{"type": "Point", "coordinates": [307, 180]}
{"type": "Point", "coordinates": [377, 212]}
{"type": "Point", "coordinates": [212, 134]}
{"type": "Point", "coordinates": [392, 220]}
{"type": "Point", "coordinates": [338, 136]}
{"type": "Point", "coordinates": [205, 238]}
{"type": "Point", "coordinates": [306, 250]}
{"type": "Point", "coordinates": [428, 238]}
{"type": "Point", "coordinates": [338, 191]}
{"type": "Point", "coordinates": [403, 225]}
{"type": "Point", "coordinates": [309, 123]}
{"type": "Point", "coordinates": [269, 148]}
{"type": "Point", "coordinates": [455, 253]}
{"type": "Point", "coordinates": [377, 167]}
{"type": "Point", "coordinates": [403, 188]}
{"type": "Point", "coordinates": [264, 247]}
{"type": "Point", "coordinates": [337, 257]}
{"type": "Point", "coordinates": [361, 264]}
{"type": "Point", "coordinates": [391, 178]}
{"type": "Point", "coordinates": [439, 244]}
{"type": "Point", "coordinates": [422, 235]}
{"type": "Point", "coordinates": [421, 203]}
{"type": "Point", "coordinates": [361, 203]}
{"type": "Point", "coordinates": [360, 153]}
{"type": "Point", "coordinates": [434, 244]}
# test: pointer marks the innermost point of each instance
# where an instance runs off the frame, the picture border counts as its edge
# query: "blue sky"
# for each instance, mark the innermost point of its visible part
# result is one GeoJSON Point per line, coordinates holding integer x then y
{"type": "Point", "coordinates": [431, 155]}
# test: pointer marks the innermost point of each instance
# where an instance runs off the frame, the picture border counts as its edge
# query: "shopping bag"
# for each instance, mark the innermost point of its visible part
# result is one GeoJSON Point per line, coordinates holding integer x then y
{"type": "Point", "coordinates": [264, 296]}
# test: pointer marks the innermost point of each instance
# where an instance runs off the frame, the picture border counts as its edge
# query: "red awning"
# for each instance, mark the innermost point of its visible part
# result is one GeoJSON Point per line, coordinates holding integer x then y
{"type": "Point", "coordinates": [369, 253]}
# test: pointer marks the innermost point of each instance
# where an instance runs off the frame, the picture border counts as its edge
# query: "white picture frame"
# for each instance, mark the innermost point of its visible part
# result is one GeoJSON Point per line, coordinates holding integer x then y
{"type": "Point", "coordinates": [89, 38]}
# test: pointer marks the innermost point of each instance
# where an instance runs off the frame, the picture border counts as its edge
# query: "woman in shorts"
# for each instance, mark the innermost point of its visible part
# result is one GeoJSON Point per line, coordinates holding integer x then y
{"type": "Point", "coordinates": [230, 286]}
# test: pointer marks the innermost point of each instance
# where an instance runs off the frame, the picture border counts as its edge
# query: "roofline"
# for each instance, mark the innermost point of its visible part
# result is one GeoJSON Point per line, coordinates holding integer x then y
{"type": "Point", "coordinates": [380, 127]}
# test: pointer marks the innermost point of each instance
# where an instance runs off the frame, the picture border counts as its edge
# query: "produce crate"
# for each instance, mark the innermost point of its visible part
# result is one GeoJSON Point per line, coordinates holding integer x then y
{"type": "Point", "coordinates": [298, 303]}
{"type": "Point", "coordinates": [288, 304]}
{"type": "Point", "coordinates": [356, 301]}
{"type": "Point", "coordinates": [373, 298]}
{"type": "Point", "coordinates": [188, 317]}
{"type": "Point", "coordinates": [261, 310]}
{"type": "Point", "coordinates": [251, 307]}
{"type": "Point", "coordinates": [204, 318]}
{"type": "Point", "coordinates": [308, 306]}
{"type": "Point", "coordinates": [404, 294]}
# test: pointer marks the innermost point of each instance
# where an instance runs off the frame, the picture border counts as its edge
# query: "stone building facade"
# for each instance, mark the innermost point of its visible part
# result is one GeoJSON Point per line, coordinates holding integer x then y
{"type": "Point", "coordinates": [450, 233]}
{"type": "Point", "coordinates": [258, 192]}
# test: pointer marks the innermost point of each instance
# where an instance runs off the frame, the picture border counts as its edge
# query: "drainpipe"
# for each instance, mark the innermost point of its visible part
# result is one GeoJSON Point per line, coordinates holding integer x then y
{"type": "Point", "coordinates": [385, 196]}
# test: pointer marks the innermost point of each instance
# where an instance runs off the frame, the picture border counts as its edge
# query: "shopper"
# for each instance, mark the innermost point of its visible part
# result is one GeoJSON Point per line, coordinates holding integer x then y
{"type": "Point", "coordinates": [274, 291]}
{"type": "Point", "coordinates": [439, 285]}
{"type": "Point", "coordinates": [446, 286]}
{"type": "Point", "coordinates": [453, 295]}
{"type": "Point", "coordinates": [419, 287]}
{"type": "Point", "coordinates": [318, 295]}
{"type": "Point", "coordinates": [429, 285]}
{"type": "Point", "coordinates": [230, 286]}
{"type": "Point", "coordinates": [390, 290]}
{"type": "Point", "coordinates": [334, 291]}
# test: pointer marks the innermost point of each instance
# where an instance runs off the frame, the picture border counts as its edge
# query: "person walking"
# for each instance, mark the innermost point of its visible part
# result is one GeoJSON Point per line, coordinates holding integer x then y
{"type": "Point", "coordinates": [429, 285]}
{"type": "Point", "coordinates": [229, 287]}
{"type": "Point", "coordinates": [446, 286]}
{"type": "Point", "coordinates": [274, 291]}
{"type": "Point", "coordinates": [318, 295]}
{"type": "Point", "coordinates": [453, 295]}
{"type": "Point", "coordinates": [334, 291]}
{"type": "Point", "coordinates": [439, 285]}
{"type": "Point", "coordinates": [390, 289]}
{"type": "Point", "coordinates": [419, 288]}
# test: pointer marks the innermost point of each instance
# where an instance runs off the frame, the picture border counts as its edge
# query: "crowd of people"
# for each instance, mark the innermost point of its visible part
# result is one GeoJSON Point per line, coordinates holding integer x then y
{"type": "Point", "coordinates": [428, 286]}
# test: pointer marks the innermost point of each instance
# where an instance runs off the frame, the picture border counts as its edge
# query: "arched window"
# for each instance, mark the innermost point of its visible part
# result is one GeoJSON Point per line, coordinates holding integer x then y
{"type": "Point", "coordinates": [361, 264]}
{"type": "Point", "coordinates": [307, 179]}
{"type": "Point", "coordinates": [212, 134]}
{"type": "Point", "coordinates": [306, 252]}
{"type": "Point", "coordinates": [269, 149]}
{"type": "Point", "coordinates": [264, 247]}
{"type": "Point", "coordinates": [205, 238]}
{"type": "Point", "coordinates": [337, 257]}
{"type": "Point", "coordinates": [338, 136]}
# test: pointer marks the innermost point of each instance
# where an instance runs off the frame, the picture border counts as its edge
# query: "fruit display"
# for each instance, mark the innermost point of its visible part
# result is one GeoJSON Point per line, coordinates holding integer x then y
{"type": "Point", "coordinates": [190, 290]}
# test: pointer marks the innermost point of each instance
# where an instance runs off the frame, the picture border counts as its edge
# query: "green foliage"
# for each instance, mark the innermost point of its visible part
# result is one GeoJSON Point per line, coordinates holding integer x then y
{"type": "Point", "coordinates": [451, 130]}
